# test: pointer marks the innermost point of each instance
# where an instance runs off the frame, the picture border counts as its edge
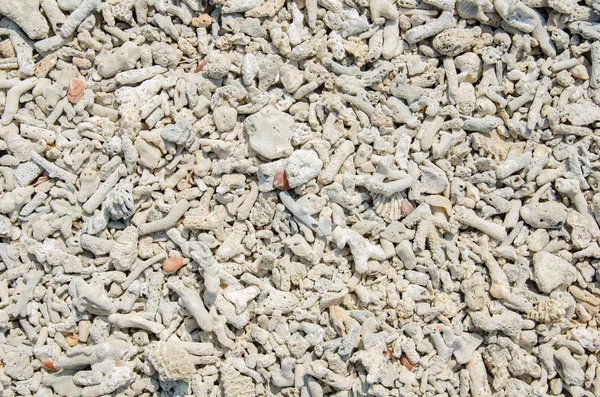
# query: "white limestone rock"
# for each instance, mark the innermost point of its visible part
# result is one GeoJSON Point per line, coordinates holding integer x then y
{"type": "Point", "coordinates": [270, 133]}
{"type": "Point", "coordinates": [224, 118]}
{"type": "Point", "coordinates": [302, 167]}
{"type": "Point", "coordinates": [551, 272]}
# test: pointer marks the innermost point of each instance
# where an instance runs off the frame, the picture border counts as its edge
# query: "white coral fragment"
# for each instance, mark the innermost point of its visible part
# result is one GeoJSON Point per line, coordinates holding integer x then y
{"type": "Point", "coordinates": [171, 361]}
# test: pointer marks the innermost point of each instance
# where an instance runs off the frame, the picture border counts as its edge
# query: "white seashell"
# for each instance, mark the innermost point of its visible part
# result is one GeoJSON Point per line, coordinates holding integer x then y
{"type": "Point", "coordinates": [392, 208]}
{"type": "Point", "coordinates": [119, 201]}
{"type": "Point", "coordinates": [438, 201]}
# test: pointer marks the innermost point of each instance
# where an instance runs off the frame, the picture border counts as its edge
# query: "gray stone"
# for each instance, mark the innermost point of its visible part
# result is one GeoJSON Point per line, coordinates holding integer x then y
{"type": "Point", "coordinates": [178, 133]}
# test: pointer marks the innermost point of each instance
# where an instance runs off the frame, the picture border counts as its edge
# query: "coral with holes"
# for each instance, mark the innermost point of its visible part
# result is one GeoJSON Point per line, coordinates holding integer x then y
{"type": "Point", "coordinates": [235, 384]}
{"type": "Point", "coordinates": [171, 361]}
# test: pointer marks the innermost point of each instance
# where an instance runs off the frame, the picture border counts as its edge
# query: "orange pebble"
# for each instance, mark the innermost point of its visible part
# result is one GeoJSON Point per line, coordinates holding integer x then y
{"type": "Point", "coordinates": [49, 365]}
{"type": "Point", "coordinates": [280, 181]}
{"type": "Point", "coordinates": [405, 363]}
{"type": "Point", "coordinates": [201, 66]}
{"type": "Point", "coordinates": [406, 207]}
{"type": "Point", "coordinates": [173, 264]}
{"type": "Point", "coordinates": [75, 91]}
